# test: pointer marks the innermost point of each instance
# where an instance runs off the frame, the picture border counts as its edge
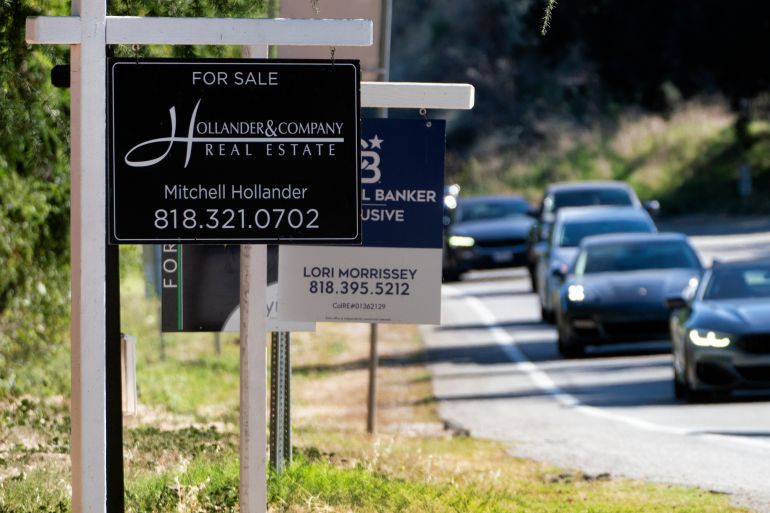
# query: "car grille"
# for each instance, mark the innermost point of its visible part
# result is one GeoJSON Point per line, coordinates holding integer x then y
{"type": "Point", "coordinates": [499, 243]}
{"type": "Point", "coordinates": [712, 373]}
{"type": "Point", "coordinates": [756, 344]}
{"type": "Point", "coordinates": [585, 327]}
{"type": "Point", "coordinates": [636, 329]}
{"type": "Point", "coordinates": [756, 373]}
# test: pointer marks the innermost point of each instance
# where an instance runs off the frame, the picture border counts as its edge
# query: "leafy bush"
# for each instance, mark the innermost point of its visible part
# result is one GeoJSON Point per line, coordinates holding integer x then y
{"type": "Point", "coordinates": [34, 213]}
{"type": "Point", "coordinates": [34, 303]}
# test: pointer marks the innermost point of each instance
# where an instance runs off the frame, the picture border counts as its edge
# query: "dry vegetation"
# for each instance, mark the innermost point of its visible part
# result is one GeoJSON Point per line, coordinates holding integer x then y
{"type": "Point", "coordinates": [688, 158]}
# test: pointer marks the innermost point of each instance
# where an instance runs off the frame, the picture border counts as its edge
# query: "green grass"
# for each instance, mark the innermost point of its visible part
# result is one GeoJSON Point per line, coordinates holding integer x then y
{"type": "Point", "coordinates": [45, 379]}
{"type": "Point", "coordinates": [190, 378]}
{"type": "Point", "coordinates": [482, 478]}
{"type": "Point", "coordinates": [39, 491]}
{"type": "Point", "coordinates": [316, 481]}
{"type": "Point", "coordinates": [204, 485]}
{"type": "Point", "coordinates": [359, 489]}
{"type": "Point", "coordinates": [189, 387]}
{"type": "Point", "coordinates": [463, 474]}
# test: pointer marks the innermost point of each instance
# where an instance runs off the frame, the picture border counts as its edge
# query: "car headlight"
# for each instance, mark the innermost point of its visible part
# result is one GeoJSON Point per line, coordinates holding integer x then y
{"type": "Point", "coordinates": [707, 338]}
{"type": "Point", "coordinates": [461, 241]}
{"type": "Point", "coordinates": [579, 294]}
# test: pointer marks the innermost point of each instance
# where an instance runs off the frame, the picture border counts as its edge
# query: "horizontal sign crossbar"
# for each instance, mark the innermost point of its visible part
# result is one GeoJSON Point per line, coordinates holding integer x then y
{"type": "Point", "coordinates": [416, 95]}
{"type": "Point", "coordinates": [63, 30]}
{"type": "Point", "coordinates": [205, 31]}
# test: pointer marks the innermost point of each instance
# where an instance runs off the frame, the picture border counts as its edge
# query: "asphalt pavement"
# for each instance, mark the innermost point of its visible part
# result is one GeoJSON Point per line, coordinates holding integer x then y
{"type": "Point", "coordinates": [496, 372]}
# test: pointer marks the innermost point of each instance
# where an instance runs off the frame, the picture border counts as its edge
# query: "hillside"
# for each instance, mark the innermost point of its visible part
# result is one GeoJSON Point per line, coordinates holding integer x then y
{"type": "Point", "coordinates": [645, 91]}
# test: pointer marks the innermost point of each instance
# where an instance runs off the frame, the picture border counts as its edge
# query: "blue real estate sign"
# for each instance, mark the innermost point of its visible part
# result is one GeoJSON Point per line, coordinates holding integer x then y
{"type": "Point", "coordinates": [402, 183]}
{"type": "Point", "coordinates": [396, 275]}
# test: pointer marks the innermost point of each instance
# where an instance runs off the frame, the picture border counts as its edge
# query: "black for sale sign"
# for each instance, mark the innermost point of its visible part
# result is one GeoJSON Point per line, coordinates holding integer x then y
{"type": "Point", "coordinates": [234, 151]}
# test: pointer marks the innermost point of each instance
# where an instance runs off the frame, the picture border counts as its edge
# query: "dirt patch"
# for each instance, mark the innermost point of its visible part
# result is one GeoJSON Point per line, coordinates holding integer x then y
{"type": "Point", "coordinates": [331, 389]}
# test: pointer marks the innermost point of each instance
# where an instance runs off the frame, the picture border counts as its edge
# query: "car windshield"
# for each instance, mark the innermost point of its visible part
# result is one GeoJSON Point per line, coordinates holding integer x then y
{"type": "Point", "coordinates": [636, 256]}
{"type": "Point", "coordinates": [573, 233]}
{"type": "Point", "coordinates": [493, 209]}
{"type": "Point", "coordinates": [589, 197]}
{"type": "Point", "coordinates": [736, 283]}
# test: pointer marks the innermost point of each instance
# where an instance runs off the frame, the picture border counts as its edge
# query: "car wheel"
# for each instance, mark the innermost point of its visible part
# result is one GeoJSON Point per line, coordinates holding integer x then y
{"type": "Point", "coordinates": [679, 389]}
{"type": "Point", "coordinates": [697, 396]}
{"type": "Point", "coordinates": [568, 347]}
{"type": "Point", "coordinates": [532, 278]}
{"type": "Point", "coordinates": [678, 385]}
{"type": "Point", "coordinates": [546, 315]}
{"type": "Point", "coordinates": [450, 275]}
{"type": "Point", "coordinates": [691, 395]}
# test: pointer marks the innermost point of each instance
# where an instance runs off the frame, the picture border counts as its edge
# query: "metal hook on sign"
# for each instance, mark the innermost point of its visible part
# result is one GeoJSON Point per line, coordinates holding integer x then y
{"type": "Point", "coordinates": [332, 50]}
{"type": "Point", "coordinates": [424, 114]}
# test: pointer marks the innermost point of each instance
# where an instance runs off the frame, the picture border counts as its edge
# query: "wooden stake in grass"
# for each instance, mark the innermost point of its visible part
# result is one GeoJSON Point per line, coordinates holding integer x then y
{"type": "Point", "coordinates": [549, 7]}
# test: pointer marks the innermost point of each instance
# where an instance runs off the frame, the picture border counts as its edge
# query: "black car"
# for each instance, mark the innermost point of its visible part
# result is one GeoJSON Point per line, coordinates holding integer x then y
{"type": "Point", "coordinates": [578, 194]}
{"type": "Point", "coordinates": [571, 226]}
{"type": "Point", "coordinates": [486, 232]}
{"type": "Point", "coordinates": [619, 286]}
{"type": "Point", "coordinates": [720, 331]}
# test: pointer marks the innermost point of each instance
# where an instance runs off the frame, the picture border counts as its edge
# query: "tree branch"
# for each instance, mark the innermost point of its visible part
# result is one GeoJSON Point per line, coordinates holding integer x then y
{"type": "Point", "coordinates": [550, 6]}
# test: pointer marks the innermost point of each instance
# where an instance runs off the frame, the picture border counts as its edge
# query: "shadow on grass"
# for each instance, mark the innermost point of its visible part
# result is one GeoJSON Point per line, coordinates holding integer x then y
{"type": "Point", "coordinates": [399, 360]}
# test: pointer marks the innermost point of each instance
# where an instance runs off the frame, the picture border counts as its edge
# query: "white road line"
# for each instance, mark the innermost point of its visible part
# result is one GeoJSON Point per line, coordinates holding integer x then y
{"type": "Point", "coordinates": [544, 382]}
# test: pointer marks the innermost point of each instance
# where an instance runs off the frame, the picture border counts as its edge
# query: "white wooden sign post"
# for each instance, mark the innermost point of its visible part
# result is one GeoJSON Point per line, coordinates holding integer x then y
{"type": "Point", "coordinates": [88, 31]}
{"type": "Point", "coordinates": [253, 365]}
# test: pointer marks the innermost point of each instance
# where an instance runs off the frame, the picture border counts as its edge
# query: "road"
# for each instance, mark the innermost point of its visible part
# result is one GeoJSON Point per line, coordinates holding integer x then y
{"type": "Point", "coordinates": [496, 372]}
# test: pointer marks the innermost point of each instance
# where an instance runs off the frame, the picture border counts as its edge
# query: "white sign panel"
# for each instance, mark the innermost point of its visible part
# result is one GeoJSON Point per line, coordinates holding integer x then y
{"type": "Point", "coordinates": [361, 285]}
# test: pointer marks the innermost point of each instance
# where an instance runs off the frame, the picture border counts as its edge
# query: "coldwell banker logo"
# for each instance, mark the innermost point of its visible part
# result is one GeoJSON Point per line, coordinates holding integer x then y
{"type": "Point", "coordinates": [370, 160]}
{"type": "Point", "coordinates": [244, 138]}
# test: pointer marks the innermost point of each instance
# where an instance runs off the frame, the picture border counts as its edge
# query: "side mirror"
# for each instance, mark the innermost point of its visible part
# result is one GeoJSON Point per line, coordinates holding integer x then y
{"type": "Point", "coordinates": [447, 220]}
{"type": "Point", "coordinates": [545, 230]}
{"type": "Point", "coordinates": [652, 207]}
{"type": "Point", "coordinates": [559, 273]}
{"type": "Point", "coordinates": [540, 249]}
